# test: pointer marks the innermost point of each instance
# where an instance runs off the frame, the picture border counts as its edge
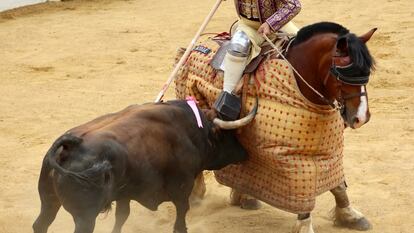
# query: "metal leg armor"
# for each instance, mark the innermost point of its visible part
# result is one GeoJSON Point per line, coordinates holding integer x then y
{"type": "Point", "coordinates": [228, 105]}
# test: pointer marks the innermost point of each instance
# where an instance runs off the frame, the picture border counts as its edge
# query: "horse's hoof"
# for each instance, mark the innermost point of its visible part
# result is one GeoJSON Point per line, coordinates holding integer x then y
{"type": "Point", "coordinates": [235, 197]}
{"type": "Point", "coordinates": [361, 224]}
{"type": "Point", "coordinates": [250, 204]}
{"type": "Point", "coordinates": [244, 201]}
{"type": "Point", "coordinates": [350, 218]}
{"type": "Point", "coordinates": [303, 226]}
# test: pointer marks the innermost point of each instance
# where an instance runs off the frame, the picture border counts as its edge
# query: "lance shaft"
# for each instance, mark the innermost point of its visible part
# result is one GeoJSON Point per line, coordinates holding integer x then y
{"type": "Point", "coordinates": [187, 51]}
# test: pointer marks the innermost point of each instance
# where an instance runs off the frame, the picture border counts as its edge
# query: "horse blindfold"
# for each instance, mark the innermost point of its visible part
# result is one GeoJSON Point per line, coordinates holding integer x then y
{"type": "Point", "coordinates": [351, 74]}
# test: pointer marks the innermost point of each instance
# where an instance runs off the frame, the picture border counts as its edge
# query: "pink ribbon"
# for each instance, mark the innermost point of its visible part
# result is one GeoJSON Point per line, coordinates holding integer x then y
{"type": "Point", "coordinates": [192, 102]}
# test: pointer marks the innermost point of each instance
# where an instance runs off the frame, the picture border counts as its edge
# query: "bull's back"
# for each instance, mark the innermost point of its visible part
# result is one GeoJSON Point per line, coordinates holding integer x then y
{"type": "Point", "coordinates": [136, 118]}
{"type": "Point", "coordinates": [148, 131]}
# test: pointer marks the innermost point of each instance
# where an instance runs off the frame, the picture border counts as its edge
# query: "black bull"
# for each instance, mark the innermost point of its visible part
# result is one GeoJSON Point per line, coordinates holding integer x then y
{"type": "Point", "coordinates": [148, 153]}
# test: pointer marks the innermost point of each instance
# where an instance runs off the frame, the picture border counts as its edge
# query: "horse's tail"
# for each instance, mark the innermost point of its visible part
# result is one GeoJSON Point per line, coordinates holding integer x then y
{"type": "Point", "coordinates": [90, 176]}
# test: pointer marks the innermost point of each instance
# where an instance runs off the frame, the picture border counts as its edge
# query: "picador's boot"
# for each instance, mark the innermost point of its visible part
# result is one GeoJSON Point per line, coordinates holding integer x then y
{"type": "Point", "coordinates": [228, 105]}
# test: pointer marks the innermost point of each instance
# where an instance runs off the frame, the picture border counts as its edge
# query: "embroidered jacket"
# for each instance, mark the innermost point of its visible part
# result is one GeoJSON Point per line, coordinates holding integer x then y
{"type": "Point", "coordinates": [275, 12]}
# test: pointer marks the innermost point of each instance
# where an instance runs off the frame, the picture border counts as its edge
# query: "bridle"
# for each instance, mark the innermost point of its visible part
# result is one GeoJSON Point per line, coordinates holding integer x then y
{"type": "Point", "coordinates": [344, 75]}
{"type": "Point", "coordinates": [349, 75]}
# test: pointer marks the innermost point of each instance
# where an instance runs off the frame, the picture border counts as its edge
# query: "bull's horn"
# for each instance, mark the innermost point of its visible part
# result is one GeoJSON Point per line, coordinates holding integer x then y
{"type": "Point", "coordinates": [238, 123]}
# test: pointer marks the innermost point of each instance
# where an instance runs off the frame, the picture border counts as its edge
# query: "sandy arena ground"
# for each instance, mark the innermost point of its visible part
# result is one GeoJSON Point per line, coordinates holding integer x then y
{"type": "Point", "coordinates": [66, 63]}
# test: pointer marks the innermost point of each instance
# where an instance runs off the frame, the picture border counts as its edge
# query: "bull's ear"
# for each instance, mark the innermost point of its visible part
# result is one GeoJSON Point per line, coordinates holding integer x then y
{"type": "Point", "coordinates": [364, 38]}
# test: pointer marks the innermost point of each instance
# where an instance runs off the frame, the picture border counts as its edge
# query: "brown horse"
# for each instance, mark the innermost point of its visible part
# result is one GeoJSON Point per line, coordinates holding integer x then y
{"type": "Point", "coordinates": [331, 67]}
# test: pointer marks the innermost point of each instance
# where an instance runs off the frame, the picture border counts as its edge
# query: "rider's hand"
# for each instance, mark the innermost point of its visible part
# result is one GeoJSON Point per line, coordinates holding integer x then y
{"type": "Point", "coordinates": [264, 29]}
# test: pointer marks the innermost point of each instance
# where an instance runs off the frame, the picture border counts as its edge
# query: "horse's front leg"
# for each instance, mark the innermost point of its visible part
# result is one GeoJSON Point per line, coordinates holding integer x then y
{"type": "Point", "coordinates": [245, 201]}
{"type": "Point", "coordinates": [346, 216]}
{"type": "Point", "coordinates": [303, 224]}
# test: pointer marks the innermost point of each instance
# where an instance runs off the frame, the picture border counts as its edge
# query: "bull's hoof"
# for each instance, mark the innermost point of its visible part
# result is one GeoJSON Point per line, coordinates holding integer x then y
{"type": "Point", "coordinates": [180, 231]}
{"type": "Point", "coordinates": [245, 201]}
{"type": "Point", "coordinates": [351, 218]}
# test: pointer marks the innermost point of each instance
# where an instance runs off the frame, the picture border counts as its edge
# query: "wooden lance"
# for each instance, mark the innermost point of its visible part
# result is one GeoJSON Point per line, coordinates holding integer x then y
{"type": "Point", "coordinates": [187, 52]}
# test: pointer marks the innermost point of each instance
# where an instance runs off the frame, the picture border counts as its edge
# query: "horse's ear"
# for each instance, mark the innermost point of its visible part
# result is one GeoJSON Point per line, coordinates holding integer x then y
{"type": "Point", "coordinates": [364, 38]}
{"type": "Point", "coordinates": [342, 45]}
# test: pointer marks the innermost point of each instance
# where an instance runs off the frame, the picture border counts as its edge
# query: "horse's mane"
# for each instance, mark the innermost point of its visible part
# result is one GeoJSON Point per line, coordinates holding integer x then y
{"type": "Point", "coordinates": [360, 55]}
{"type": "Point", "coordinates": [309, 31]}
{"type": "Point", "coordinates": [358, 51]}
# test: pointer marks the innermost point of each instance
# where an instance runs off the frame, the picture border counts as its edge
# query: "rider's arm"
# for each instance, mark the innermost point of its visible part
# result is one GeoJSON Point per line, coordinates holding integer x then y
{"type": "Point", "coordinates": [286, 11]}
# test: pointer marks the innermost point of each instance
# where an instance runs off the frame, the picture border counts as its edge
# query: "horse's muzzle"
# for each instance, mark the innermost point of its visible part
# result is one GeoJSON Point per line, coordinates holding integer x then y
{"type": "Point", "coordinates": [356, 122]}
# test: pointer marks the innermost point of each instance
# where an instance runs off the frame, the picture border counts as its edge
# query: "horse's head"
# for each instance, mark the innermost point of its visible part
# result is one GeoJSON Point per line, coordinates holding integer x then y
{"type": "Point", "coordinates": [342, 69]}
{"type": "Point", "coordinates": [349, 73]}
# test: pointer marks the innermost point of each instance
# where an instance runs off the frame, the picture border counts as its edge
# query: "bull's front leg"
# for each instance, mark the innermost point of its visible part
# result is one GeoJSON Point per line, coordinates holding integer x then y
{"type": "Point", "coordinates": [121, 214]}
{"type": "Point", "coordinates": [85, 222]}
{"type": "Point", "coordinates": [180, 226]}
{"type": "Point", "coordinates": [346, 216]}
{"type": "Point", "coordinates": [180, 196]}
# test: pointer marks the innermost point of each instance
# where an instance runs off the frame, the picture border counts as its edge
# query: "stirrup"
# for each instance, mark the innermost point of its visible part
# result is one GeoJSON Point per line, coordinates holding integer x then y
{"type": "Point", "coordinates": [228, 106]}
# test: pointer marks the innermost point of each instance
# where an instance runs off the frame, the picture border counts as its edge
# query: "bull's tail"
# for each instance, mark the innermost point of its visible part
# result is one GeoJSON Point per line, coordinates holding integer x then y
{"type": "Point", "coordinates": [64, 140]}
{"type": "Point", "coordinates": [90, 176]}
